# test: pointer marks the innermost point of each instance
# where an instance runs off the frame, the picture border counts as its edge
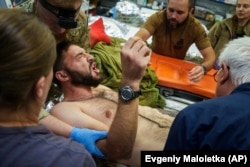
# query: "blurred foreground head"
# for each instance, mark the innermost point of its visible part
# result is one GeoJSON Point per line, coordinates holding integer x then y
{"type": "Point", "coordinates": [27, 54]}
{"type": "Point", "coordinates": [234, 62]}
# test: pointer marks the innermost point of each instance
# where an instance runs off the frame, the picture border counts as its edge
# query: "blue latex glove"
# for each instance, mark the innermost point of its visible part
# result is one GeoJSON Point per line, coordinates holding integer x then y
{"type": "Point", "coordinates": [88, 138]}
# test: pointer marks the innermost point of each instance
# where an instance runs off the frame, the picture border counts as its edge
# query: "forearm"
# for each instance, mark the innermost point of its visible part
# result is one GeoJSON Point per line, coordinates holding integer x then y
{"type": "Point", "coordinates": [122, 133]}
{"type": "Point", "coordinates": [57, 126]}
{"type": "Point", "coordinates": [209, 58]}
{"type": "Point", "coordinates": [142, 34]}
{"type": "Point", "coordinates": [120, 141]}
{"type": "Point", "coordinates": [124, 142]}
{"type": "Point", "coordinates": [208, 63]}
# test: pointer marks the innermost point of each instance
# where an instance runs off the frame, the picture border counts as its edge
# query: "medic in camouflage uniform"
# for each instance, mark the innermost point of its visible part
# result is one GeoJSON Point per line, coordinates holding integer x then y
{"type": "Point", "coordinates": [78, 35]}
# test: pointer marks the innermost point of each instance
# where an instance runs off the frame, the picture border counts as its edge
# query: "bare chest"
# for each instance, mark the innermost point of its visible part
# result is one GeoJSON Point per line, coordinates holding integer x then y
{"type": "Point", "coordinates": [99, 108]}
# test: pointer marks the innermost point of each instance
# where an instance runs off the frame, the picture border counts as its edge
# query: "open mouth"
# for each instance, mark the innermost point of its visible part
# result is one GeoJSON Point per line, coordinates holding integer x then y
{"type": "Point", "coordinates": [94, 67]}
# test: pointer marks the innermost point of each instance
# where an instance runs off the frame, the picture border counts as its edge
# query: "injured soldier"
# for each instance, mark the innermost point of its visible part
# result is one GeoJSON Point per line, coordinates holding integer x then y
{"type": "Point", "coordinates": [86, 104]}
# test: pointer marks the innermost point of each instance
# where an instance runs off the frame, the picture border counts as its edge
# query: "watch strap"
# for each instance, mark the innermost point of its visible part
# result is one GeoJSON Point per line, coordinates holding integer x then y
{"type": "Point", "coordinates": [204, 68]}
{"type": "Point", "coordinates": [137, 93]}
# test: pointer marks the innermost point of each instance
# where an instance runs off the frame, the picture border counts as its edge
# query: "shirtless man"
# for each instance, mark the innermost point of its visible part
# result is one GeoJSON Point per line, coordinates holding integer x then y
{"type": "Point", "coordinates": [84, 106]}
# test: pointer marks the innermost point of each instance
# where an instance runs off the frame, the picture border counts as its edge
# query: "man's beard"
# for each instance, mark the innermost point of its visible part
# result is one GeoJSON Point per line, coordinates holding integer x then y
{"type": "Point", "coordinates": [81, 79]}
{"type": "Point", "coordinates": [174, 26]}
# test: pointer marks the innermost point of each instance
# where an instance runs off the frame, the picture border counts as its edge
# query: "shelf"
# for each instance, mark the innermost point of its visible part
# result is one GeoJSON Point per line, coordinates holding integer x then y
{"type": "Point", "coordinates": [219, 8]}
{"type": "Point", "coordinates": [224, 2]}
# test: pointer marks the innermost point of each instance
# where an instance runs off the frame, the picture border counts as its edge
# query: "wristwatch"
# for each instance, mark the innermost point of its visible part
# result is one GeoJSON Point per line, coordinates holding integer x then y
{"type": "Point", "coordinates": [127, 93]}
{"type": "Point", "coordinates": [204, 68]}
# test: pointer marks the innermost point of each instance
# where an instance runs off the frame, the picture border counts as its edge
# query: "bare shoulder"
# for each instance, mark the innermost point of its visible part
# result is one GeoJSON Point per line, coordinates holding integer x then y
{"type": "Point", "coordinates": [105, 92]}
{"type": "Point", "coordinates": [63, 106]}
{"type": "Point", "coordinates": [102, 88]}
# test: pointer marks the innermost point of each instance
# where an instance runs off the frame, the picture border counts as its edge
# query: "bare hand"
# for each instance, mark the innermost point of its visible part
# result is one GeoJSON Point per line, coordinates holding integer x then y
{"type": "Point", "coordinates": [196, 74]}
{"type": "Point", "coordinates": [135, 57]}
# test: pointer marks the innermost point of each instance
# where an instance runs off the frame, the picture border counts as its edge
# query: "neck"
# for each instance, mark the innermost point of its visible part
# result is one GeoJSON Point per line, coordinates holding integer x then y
{"type": "Point", "coordinates": [77, 93]}
{"type": "Point", "coordinates": [10, 118]}
{"type": "Point", "coordinates": [242, 22]}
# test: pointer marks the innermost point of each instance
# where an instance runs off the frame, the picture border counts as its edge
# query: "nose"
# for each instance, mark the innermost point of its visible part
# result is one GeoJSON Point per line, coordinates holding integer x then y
{"type": "Point", "coordinates": [89, 57]}
{"type": "Point", "coordinates": [173, 15]}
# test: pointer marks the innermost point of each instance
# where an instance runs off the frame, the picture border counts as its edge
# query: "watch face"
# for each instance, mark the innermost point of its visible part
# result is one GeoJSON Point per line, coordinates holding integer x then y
{"type": "Point", "coordinates": [126, 94]}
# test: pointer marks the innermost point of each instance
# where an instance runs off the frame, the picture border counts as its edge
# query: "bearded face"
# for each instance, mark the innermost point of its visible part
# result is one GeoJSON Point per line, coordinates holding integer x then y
{"type": "Point", "coordinates": [177, 13]}
{"type": "Point", "coordinates": [80, 78]}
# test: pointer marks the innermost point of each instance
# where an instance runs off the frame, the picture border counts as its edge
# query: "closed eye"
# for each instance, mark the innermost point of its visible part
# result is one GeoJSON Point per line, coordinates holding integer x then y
{"type": "Point", "coordinates": [79, 55]}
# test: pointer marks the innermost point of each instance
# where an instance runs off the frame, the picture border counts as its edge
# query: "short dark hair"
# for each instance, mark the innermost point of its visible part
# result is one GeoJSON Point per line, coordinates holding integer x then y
{"type": "Point", "coordinates": [61, 46]}
{"type": "Point", "coordinates": [55, 91]}
{"type": "Point", "coordinates": [190, 3]}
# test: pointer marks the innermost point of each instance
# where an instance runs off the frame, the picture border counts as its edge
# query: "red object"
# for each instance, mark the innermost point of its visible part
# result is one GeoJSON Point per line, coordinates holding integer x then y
{"type": "Point", "coordinates": [97, 33]}
{"type": "Point", "coordinates": [173, 73]}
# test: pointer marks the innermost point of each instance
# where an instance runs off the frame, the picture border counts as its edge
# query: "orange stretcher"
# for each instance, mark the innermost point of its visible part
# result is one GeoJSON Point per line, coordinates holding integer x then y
{"type": "Point", "coordinates": [173, 73]}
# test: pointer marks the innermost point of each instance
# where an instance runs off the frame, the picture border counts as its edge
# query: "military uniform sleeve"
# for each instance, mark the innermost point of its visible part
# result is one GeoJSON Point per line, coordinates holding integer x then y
{"type": "Point", "coordinates": [28, 6]}
{"type": "Point", "coordinates": [214, 34]}
{"type": "Point", "coordinates": [80, 35]}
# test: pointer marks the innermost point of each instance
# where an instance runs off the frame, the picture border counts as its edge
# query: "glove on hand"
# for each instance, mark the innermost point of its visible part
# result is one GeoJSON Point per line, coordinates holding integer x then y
{"type": "Point", "coordinates": [88, 138]}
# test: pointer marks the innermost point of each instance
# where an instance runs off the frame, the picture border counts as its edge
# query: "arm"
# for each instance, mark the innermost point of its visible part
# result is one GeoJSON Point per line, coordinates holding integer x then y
{"type": "Point", "coordinates": [197, 73]}
{"type": "Point", "coordinates": [214, 34]}
{"type": "Point", "coordinates": [72, 114]}
{"type": "Point", "coordinates": [122, 133]}
{"type": "Point", "coordinates": [209, 57]}
{"type": "Point", "coordinates": [143, 34]}
{"type": "Point", "coordinates": [219, 35]}
{"type": "Point", "coordinates": [85, 136]}
{"type": "Point", "coordinates": [81, 34]}
{"type": "Point", "coordinates": [150, 26]}
{"type": "Point", "coordinates": [55, 125]}
{"type": "Point", "coordinates": [203, 44]}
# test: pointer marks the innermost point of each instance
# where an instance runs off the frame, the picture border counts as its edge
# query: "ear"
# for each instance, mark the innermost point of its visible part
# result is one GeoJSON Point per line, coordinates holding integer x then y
{"type": "Point", "coordinates": [191, 11]}
{"type": "Point", "coordinates": [61, 76]}
{"type": "Point", "coordinates": [225, 73]}
{"type": "Point", "coordinates": [40, 86]}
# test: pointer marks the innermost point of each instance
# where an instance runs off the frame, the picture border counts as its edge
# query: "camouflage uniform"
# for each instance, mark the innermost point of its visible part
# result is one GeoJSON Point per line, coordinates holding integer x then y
{"type": "Point", "coordinates": [78, 35]}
